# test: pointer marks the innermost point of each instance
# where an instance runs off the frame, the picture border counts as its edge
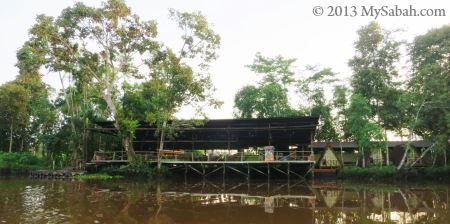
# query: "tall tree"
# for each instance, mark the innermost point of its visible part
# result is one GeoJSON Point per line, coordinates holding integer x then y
{"type": "Point", "coordinates": [174, 82]}
{"type": "Point", "coordinates": [373, 65]}
{"type": "Point", "coordinates": [312, 89]}
{"type": "Point", "coordinates": [269, 98]}
{"type": "Point", "coordinates": [13, 109]}
{"type": "Point", "coordinates": [366, 134]}
{"type": "Point", "coordinates": [430, 86]}
{"type": "Point", "coordinates": [98, 47]}
{"type": "Point", "coordinates": [273, 70]}
{"type": "Point", "coordinates": [340, 104]}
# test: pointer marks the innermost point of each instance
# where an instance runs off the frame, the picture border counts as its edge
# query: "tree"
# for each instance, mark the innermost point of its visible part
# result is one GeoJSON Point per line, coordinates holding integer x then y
{"type": "Point", "coordinates": [173, 82]}
{"type": "Point", "coordinates": [374, 68]}
{"type": "Point", "coordinates": [429, 86]}
{"type": "Point", "coordinates": [366, 134]}
{"type": "Point", "coordinates": [269, 98]}
{"type": "Point", "coordinates": [274, 70]}
{"type": "Point", "coordinates": [326, 131]}
{"type": "Point", "coordinates": [99, 48]}
{"type": "Point", "coordinates": [340, 104]}
{"type": "Point", "coordinates": [41, 112]}
{"type": "Point", "coordinates": [312, 88]}
{"type": "Point", "coordinates": [13, 109]}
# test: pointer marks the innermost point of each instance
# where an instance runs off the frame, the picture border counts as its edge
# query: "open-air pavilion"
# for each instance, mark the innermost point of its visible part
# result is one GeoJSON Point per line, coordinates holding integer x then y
{"type": "Point", "coordinates": [258, 145]}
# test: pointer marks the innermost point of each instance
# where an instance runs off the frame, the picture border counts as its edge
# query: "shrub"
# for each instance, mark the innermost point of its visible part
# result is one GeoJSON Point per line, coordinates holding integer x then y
{"type": "Point", "coordinates": [131, 170]}
{"type": "Point", "coordinates": [19, 162]}
{"type": "Point", "coordinates": [97, 176]}
{"type": "Point", "coordinates": [373, 172]}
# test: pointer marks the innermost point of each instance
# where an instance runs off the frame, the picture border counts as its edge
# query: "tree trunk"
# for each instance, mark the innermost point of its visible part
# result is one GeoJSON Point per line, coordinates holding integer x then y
{"type": "Point", "coordinates": [128, 146]}
{"type": "Point", "coordinates": [381, 157]}
{"type": "Point", "coordinates": [445, 157]}
{"type": "Point", "coordinates": [422, 155]}
{"type": "Point", "coordinates": [10, 137]}
{"type": "Point", "coordinates": [410, 135]}
{"type": "Point", "coordinates": [363, 158]}
{"type": "Point", "coordinates": [161, 144]}
{"type": "Point", "coordinates": [387, 148]}
{"type": "Point", "coordinates": [405, 154]}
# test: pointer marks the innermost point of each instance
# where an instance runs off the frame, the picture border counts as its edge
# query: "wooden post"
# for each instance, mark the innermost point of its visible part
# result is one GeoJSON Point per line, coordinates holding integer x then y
{"type": "Point", "coordinates": [387, 155]}
{"type": "Point", "coordinates": [288, 170]}
{"type": "Point", "coordinates": [203, 169]}
{"type": "Point", "coordinates": [248, 171]}
{"type": "Point", "coordinates": [223, 171]}
{"type": "Point", "coordinates": [270, 136]}
{"type": "Point", "coordinates": [228, 137]}
{"type": "Point", "coordinates": [10, 137]}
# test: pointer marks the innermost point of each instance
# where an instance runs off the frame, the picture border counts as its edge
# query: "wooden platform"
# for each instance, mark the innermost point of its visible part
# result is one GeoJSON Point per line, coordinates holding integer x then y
{"type": "Point", "coordinates": [286, 163]}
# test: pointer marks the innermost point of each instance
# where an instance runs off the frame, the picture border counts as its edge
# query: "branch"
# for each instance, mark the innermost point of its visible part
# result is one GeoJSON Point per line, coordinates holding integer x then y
{"type": "Point", "coordinates": [422, 155]}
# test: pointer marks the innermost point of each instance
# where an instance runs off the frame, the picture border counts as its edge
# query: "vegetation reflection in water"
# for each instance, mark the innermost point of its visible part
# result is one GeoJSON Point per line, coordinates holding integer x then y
{"type": "Point", "coordinates": [124, 201]}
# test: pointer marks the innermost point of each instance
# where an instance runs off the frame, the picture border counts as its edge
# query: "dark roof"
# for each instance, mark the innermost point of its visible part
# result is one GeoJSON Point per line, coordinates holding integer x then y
{"type": "Point", "coordinates": [228, 133]}
{"type": "Point", "coordinates": [352, 145]}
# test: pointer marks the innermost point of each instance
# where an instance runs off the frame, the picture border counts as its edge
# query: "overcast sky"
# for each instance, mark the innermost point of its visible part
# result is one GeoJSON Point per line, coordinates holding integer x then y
{"type": "Point", "coordinates": [271, 27]}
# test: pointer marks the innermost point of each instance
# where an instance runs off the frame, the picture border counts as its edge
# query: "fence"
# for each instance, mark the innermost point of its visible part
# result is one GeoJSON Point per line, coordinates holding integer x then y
{"type": "Point", "coordinates": [189, 155]}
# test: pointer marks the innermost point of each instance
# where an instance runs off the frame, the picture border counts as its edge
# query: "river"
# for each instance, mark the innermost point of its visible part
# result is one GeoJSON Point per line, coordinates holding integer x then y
{"type": "Point", "coordinates": [24, 200]}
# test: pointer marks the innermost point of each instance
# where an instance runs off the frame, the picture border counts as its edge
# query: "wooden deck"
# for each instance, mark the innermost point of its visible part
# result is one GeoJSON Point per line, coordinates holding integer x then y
{"type": "Point", "coordinates": [296, 163]}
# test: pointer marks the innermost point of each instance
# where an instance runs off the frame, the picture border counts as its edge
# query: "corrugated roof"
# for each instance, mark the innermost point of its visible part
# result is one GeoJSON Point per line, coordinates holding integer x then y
{"type": "Point", "coordinates": [352, 145]}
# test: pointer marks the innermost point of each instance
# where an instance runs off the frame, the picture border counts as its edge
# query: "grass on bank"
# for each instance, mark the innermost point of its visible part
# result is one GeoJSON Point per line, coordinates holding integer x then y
{"type": "Point", "coordinates": [97, 176]}
{"type": "Point", "coordinates": [19, 162]}
{"type": "Point", "coordinates": [391, 173]}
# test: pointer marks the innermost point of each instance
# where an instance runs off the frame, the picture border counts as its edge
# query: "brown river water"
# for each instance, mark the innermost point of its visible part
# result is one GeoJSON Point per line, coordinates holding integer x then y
{"type": "Point", "coordinates": [24, 200]}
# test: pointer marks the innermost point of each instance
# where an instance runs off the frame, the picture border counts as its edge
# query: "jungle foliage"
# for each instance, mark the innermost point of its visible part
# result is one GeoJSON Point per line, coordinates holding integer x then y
{"type": "Point", "coordinates": [112, 65]}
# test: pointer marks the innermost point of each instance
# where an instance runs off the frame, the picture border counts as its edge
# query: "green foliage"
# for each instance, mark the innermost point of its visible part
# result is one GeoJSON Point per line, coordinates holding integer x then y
{"type": "Point", "coordinates": [340, 103]}
{"type": "Point", "coordinates": [374, 69]}
{"type": "Point", "coordinates": [274, 70]}
{"type": "Point", "coordinates": [252, 158]}
{"type": "Point", "coordinates": [98, 48]}
{"type": "Point", "coordinates": [326, 131]}
{"type": "Point", "coordinates": [268, 100]}
{"type": "Point", "coordinates": [366, 134]}
{"type": "Point", "coordinates": [372, 172]}
{"type": "Point", "coordinates": [132, 170]}
{"type": "Point", "coordinates": [19, 162]}
{"type": "Point", "coordinates": [437, 173]}
{"type": "Point", "coordinates": [429, 85]}
{"type": "Point", "coordinates": [13, 113]}
{"type": "Point", "coordinates": [96, 176]}
{"type": "Point", "coordinates": [270, 97]}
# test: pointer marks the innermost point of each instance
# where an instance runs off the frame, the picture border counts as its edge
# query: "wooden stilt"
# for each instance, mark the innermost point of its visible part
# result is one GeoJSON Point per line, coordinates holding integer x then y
{"type": "Point", "coordinates": [259, 171]}
{"type": "Point", "coordinates": [194, 169]}
{"type": "Point", "coordinates": [238, 171]}
{"type": "Point", "coordinates": [203, 169]}
{"type": "Point", "coordinates": [279, 170]}
{"type": "Point", "coordinates": [248, 171]}
{"type": "Point", "coordinates": [223, 171]}
{"type": "Point", "coordinates": [288, 170]}
{"type": "Point", "coordinates": [213, 171]}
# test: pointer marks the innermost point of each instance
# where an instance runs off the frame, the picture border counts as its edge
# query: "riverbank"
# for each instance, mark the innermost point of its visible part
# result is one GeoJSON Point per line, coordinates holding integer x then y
{"type": "Point", "coordinates": [19, 163]}
{"type": "Point", "coordinates": [375, 173]}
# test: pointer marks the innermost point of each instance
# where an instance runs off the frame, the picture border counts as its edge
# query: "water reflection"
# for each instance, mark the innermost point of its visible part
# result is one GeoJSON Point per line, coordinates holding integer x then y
{"type": "Point", "coordinates": [39, 201]}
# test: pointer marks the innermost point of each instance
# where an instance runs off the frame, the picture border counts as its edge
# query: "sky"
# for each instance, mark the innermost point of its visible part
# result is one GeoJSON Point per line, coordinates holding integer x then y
{"type": "Point", "coordinates": [272, 27]}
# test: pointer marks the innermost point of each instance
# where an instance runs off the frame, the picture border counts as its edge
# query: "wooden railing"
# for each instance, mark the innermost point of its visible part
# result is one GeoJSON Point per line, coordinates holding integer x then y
{"type": "Point", "coordinates": [168, 155]}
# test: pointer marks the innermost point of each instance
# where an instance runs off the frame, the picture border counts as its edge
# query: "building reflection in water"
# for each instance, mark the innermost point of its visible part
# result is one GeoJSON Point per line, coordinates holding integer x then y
{"type": "Point", "coordinates": [220, 202]}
